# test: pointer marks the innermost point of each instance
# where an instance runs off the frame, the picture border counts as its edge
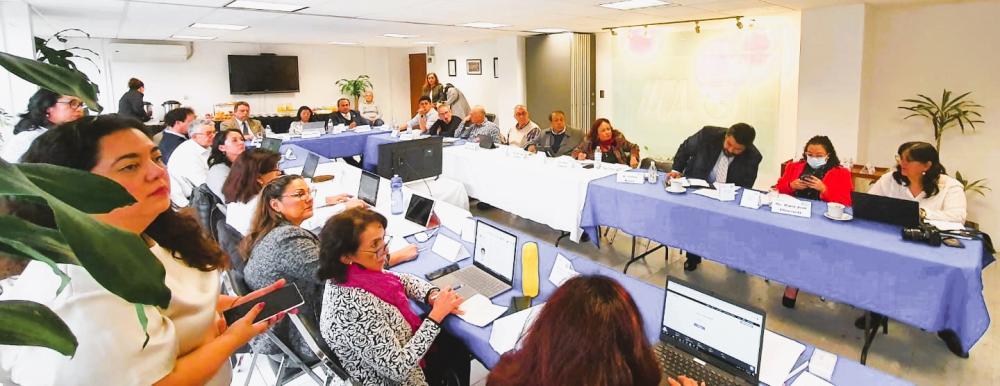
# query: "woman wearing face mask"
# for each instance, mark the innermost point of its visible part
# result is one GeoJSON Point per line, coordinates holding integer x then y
{"type": "Point", "coordinates": [614, 147]}
{"type": "Point", "coordinates": [817, 176]}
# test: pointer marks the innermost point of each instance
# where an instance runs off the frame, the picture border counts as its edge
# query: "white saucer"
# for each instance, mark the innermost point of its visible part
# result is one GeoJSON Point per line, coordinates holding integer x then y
{"type": "Point", "coordinates": [674, 190]}
{"type": "Point", "coordinates": [843, 217]}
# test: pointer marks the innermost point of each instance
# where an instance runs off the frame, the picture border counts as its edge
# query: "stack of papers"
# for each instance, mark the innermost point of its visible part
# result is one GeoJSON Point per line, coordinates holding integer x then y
{"type": "Point", "coordinates": [509, 330]}
{"type": "Point", "coordinates": [946, 225]}
{"type": "Point", "coordinates": [710, 193]}
{"type": "Point", "coordinates": [479, 311]}
{"type": "Point", "coordinates": [562, 270]}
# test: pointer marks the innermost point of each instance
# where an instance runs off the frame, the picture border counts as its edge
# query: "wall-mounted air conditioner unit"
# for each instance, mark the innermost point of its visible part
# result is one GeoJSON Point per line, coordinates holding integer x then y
{"type": "Point", "coordinates": [150, 52]}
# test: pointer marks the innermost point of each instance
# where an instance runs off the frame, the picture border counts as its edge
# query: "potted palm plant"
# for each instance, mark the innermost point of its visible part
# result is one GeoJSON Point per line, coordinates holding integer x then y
{"type": "Point", "coordinates": [354, 87]}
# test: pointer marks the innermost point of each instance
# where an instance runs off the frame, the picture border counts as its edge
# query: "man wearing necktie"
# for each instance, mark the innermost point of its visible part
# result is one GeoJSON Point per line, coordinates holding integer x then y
{"type": "Point", "coordinates": [251, 128]}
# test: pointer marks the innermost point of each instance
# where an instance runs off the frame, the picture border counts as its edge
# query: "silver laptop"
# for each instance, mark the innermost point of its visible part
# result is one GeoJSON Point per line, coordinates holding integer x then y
{"type": "Point", "coordinates": [318, 126]}
{"type": "Point", "coordinates": [492, 269]}
{"type": "Point", "coordinates": [709, 339]}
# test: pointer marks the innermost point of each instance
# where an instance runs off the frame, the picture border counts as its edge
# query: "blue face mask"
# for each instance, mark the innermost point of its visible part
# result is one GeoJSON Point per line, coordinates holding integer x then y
{"type": "Point", "coordinates": [816, 162]}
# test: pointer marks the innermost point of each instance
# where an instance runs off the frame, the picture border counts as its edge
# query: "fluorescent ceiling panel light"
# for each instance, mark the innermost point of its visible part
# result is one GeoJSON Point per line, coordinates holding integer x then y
{"type": "Point", "coordinates": [549, 30]}
{"type": "Point", "coordinates": [480, 24]}
{"type": "Point", "coordinates": [399, 36]}
{"type": "Point", "coordinates": [192, 37]}
{"type": "Point", "coordinates": [227, 27]}
{"type": "Point", "coordinates": [634, 4]}
{"type": "Point", "coordinates": [344, 43]}
{"type": "Point", "coordinates": [265, 6]}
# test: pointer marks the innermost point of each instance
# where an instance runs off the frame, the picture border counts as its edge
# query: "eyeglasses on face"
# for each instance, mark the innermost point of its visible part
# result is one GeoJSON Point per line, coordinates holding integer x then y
{"type": "Point", "coordinates": [302, 195]}
{"type": "Point", "coordinates": [73, 103]}
{"type": "Point", "coordinates": [380, 251]}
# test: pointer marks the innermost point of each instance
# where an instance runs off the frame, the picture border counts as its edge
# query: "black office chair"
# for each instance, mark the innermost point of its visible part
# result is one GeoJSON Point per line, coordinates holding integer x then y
{"type": "Point", "coordinates": [207, 205]}
{"type": "Point", "coordinates": [491, 117]}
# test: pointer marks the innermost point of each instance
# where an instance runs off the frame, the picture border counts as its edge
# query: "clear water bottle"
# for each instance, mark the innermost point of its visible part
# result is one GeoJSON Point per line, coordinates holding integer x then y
{"type": "Point", "coordinates": [598, 157]}
{"type": "Point", "coordinates": [397, 194]}
{"type": "Point", "coordinates": [268, 132]}
{"type": "Point", "coordinates": [652, 174]}
{"type": "Point", "coordinates": [329, 125]}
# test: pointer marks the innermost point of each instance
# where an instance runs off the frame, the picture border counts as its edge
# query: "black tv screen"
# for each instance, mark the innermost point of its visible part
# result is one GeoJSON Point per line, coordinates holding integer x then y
{"type": "Point", "coordinates": [259, 74]}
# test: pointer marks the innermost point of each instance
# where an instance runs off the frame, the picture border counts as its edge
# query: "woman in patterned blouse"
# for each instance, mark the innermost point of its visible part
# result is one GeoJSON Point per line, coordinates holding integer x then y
{"type": "Point", "coordinates": [614, 147]}
{"type": "Point", "coordinates": [366, 315]}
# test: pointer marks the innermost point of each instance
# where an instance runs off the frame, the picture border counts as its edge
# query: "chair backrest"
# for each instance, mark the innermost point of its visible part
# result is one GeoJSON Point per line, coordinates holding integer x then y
{"type": "Point", "coordinates": [311, 334]}
{"type": "Point", "coordinates": [206, 204]}
{"type": "Point", "coordinates": [229, 239]}
{"type": "Point", "coordinates": [491, 117]}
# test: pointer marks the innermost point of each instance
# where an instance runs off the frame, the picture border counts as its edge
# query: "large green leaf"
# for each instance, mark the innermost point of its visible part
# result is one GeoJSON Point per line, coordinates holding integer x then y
{"type": "Point", "coordinates": [31, 324]}
{"type": "Point", "coordinates": [88, 192]}
{"type": "Point", "coordinates": [119, 260]}
{"type": "Point", "coordinates": [57, 79]}
{"type": "Point", "coordinates": [46, 241]}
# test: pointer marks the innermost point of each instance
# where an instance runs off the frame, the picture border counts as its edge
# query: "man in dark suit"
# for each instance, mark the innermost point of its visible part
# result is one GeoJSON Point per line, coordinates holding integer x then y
{"type": "Point", "coordinates": [716, 154]}
{"type": "Point", "coordinates": [557, 140]}
{"type": "Point", "coordinates": [176, 123]}
{"type": "Point", "coordinates": [346, 116]}
{"type": "Point", "coordinates": [446, 124]}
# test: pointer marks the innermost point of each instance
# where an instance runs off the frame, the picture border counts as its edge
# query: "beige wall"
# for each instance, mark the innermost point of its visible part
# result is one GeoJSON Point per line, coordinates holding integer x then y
{"type": "Point", "coordinates": [923, 49]}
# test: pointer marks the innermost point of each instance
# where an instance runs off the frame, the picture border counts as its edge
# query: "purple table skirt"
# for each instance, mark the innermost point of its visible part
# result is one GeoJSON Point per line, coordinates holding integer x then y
{"type": "Point", "coordinates": [648, 298]}
{"type": "Point", "coordinates": [862, 263]}
{"type": "Point", "coordinates": [346, 144]}
{"type": "Point", "coordinates": [370, 155]}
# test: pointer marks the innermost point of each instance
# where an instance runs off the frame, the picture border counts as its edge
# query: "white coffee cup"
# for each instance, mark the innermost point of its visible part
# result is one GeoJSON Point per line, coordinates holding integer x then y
{"type": "Point", "coordinates": [835, 210]}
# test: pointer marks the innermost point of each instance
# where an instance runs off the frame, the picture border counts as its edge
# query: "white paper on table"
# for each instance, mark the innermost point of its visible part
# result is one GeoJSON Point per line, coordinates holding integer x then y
{"type": "Point", "coordinates": [822, 363]}
{"type": "Point", "coordinates": [397, 243]}
{"type": "Point", "coordinates": [698, 182]}
{"type": "Point", "coordinates": [710, 193]}
{"type": "Point", "coordinates": [311, 134]}
{"type": "Point", "coordinates": [446, 247]}
{"type": "Point", "coordinates": [946, 225]}
{"type": "Point", "coordinates": [362, 128]}
{"type": "Point", "coordinates": [469, 230]}
{"type": "Point", "coordinates": [562, 270]}
{"type": "Point", "coordinates": [751, 199]}
{"type": "Point", "coordinates": [810, 379]}
{"type": "Point", "coordinates": [793, 207]}
{"type": "Point", "coordinates": [778, 357]}
{"type": "Point", "coordinates": [683, 181]}
{"type": "Point", "coordinates": [509, 330]}
{"type": "Point", "coordinates": [479, 311]}
{"type": "Point", "coordinates": [453, 219]}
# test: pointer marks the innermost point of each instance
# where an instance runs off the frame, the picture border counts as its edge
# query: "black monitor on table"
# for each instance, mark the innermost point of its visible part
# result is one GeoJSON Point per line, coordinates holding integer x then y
{"type": "Point", "coordinates": [411, 160]}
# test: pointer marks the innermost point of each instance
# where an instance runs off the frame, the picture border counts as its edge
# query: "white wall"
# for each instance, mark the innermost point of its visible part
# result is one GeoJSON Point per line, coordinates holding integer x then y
{"type": "Point", "coordinates": [203, 80]}
{"type": "Point", "coordinates": [15, 39]}
{"type": "Point", "coordinates": [924, 49]}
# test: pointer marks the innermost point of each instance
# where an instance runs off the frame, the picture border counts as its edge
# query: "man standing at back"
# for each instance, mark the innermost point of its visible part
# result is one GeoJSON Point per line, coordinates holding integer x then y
{"type": "Point", "coordinates": [251, 128]}
{"type": "Point", "coordinates": [716, 154]}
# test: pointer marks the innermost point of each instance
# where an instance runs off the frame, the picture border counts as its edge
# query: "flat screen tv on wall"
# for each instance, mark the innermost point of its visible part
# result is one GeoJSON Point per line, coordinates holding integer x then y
{"type": "Point", "coordinates": [261, 74]}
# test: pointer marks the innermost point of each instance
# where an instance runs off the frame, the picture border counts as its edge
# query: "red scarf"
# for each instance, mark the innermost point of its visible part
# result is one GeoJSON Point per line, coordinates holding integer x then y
{"type": "Point", "coordinates": [385, 286]}
{"type": "Point", "coordinates": [605, 145]}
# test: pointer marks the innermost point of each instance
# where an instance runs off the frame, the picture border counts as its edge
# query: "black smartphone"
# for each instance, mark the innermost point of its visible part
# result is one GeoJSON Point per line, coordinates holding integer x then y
{"type": "Point", "coordinates": [588, 166]}
{"type": "Point", "coordinates": [283, 299]}
{"type": "Point", "coordinates": [435, 274]}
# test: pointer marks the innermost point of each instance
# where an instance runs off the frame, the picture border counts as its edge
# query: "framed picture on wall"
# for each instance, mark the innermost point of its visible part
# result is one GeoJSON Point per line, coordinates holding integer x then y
{"type": "Point", "coordinates": [475, 66]}
{"type": "Point", "coordinates": [452, 67]}
{"type": "Point", "coordinates": [495, 59]}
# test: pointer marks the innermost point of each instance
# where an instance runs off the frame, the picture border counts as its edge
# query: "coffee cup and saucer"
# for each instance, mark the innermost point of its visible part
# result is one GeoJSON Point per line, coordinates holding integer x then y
{"type": "Point", "coordinates": [835, 211]}
{"type": "Point", "coordinates": [675, 188]}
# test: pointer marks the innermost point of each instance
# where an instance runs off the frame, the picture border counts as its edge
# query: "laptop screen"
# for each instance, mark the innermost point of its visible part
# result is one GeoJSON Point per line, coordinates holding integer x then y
{"type": "Point", "coordinates": [272, 144]}
{"type": "Point", "coordinates": [495, 250]}
{"type": "Point", "coordinates": [368, 189]}
{"type": "Point", "coordinates": [419, 210]}
{"type": "Point", "coordinates": [713, 327]}
{"type": "Point", "coordinates": [309, 169]}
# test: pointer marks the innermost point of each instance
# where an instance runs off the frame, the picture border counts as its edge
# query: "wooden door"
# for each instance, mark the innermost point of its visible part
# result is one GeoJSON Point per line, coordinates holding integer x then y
{"type": "Point", "coordinates": [418, 72]}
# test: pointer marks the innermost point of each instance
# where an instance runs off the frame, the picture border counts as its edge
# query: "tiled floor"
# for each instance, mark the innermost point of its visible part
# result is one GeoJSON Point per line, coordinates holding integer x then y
{"type": "Point", "coordinates": [907, 352]}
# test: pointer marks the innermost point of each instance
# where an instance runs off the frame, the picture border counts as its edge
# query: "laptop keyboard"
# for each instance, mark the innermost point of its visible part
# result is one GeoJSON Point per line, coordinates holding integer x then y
{"type": "Point", "coordinates": [483, 282]}
{"type": "Point", "coordinates": [675, 364]}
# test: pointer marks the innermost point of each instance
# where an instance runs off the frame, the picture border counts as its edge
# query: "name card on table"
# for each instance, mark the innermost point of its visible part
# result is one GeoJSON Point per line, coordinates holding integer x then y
{"type": "Point", "coordinates": [311, 134]}
{"type": "Point", "coordinates": [362, 129]}
{"type": "Point", "coordinates": [727, 192]}
{"type": "Point", "coordinates": [631, 178]}
{"type": "Point", "coordinates": [792, 208]}
{"type": "Point", "coordinates": [751, 199]}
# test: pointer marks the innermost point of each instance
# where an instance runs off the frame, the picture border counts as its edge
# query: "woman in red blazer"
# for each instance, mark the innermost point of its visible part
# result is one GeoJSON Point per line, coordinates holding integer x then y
{"type": "Point", "coordinates": [817, 176]}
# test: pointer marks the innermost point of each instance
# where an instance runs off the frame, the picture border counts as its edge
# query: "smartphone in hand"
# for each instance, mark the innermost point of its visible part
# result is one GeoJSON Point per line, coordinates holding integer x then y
{"type": "Point", "coordinates": [283, 299]}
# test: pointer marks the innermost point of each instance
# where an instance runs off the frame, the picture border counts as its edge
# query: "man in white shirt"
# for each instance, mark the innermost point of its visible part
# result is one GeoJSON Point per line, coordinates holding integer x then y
{"type": "Point", "coordinates": [425, 118]}
{"type": "Point", "coordinates": [524, 131]}
{"type": "Point", "coordinates": [251, 128]}
{"type": "Point", "coordinates": [177, 122]}
{"type": "Point", "coordinates": [188, 166]}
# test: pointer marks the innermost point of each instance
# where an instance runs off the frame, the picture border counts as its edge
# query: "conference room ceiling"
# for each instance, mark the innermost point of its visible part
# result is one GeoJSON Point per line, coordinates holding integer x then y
{"type": "Point", "coordinates": [364, 23]}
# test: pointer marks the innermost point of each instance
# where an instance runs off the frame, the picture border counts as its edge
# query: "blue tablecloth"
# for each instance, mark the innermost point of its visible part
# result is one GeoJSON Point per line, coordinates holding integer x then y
{"type": "Point", "coordinates": [346, 144]}
{"type": "Point", "coordinates": [862, 263]}
{"type": "Point", "coordinates": [648, 298]}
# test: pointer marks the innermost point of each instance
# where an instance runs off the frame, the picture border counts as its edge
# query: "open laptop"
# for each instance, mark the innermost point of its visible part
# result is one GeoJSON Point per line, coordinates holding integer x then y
{"type": "Point", "coordinates": [486, 141]}
{"type": "Point", "coordinates": [492, 269]}
{"type": "Point", "coordinates": [904, 213]}
{"type": "Point", "coordinates": [708, 338]}
{"type": "Point", "coordinates": [419, 217]}
{"type": "Point", "coordinates": [309, 169]}
{"type": "Point", "coordinates": [272, 144]}
{"type": "Point", "coordinates": [368, 188]}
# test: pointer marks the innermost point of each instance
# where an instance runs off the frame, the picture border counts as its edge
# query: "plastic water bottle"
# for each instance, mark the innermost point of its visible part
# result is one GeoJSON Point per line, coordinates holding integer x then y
{"type": "Point", "coordinates": [268, 132]}
{"type": "Point", "coordinates": [329, 125]}
{"type": "Point", "coordinates": [652, 174]}
{"type": "Point", "coordinates": [397, 194]}
{"type": "Point", "coordinates": [597, 157]}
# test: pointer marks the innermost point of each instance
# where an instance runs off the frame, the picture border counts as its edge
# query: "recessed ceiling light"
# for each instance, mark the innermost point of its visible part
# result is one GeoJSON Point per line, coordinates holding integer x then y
{"type": "Point", "coordinates": [549, 30]}
{"type": "Point", "coordinates": [192, 37]}
{"type": "Point", "coordinates": [399, 36]}
{"type": "Point", "coordinates": [228, 27]}
{"type": "Point", "coordinates": [425, 43]}
{"type": "Point", "coordinates": [634, 4]}
{"type": "Point", "coordinates": [265, 6]}
{"type": "Point", "coordinates": [344, 43]}
{"type": "Point", "coordinates": [480, 24]}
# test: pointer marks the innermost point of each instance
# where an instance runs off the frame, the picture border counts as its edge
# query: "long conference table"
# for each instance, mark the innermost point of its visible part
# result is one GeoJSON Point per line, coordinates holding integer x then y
{"type": "Point", "coordinates": [859, 262]}
{"type": "Point", "coordinates": [648, 297]}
